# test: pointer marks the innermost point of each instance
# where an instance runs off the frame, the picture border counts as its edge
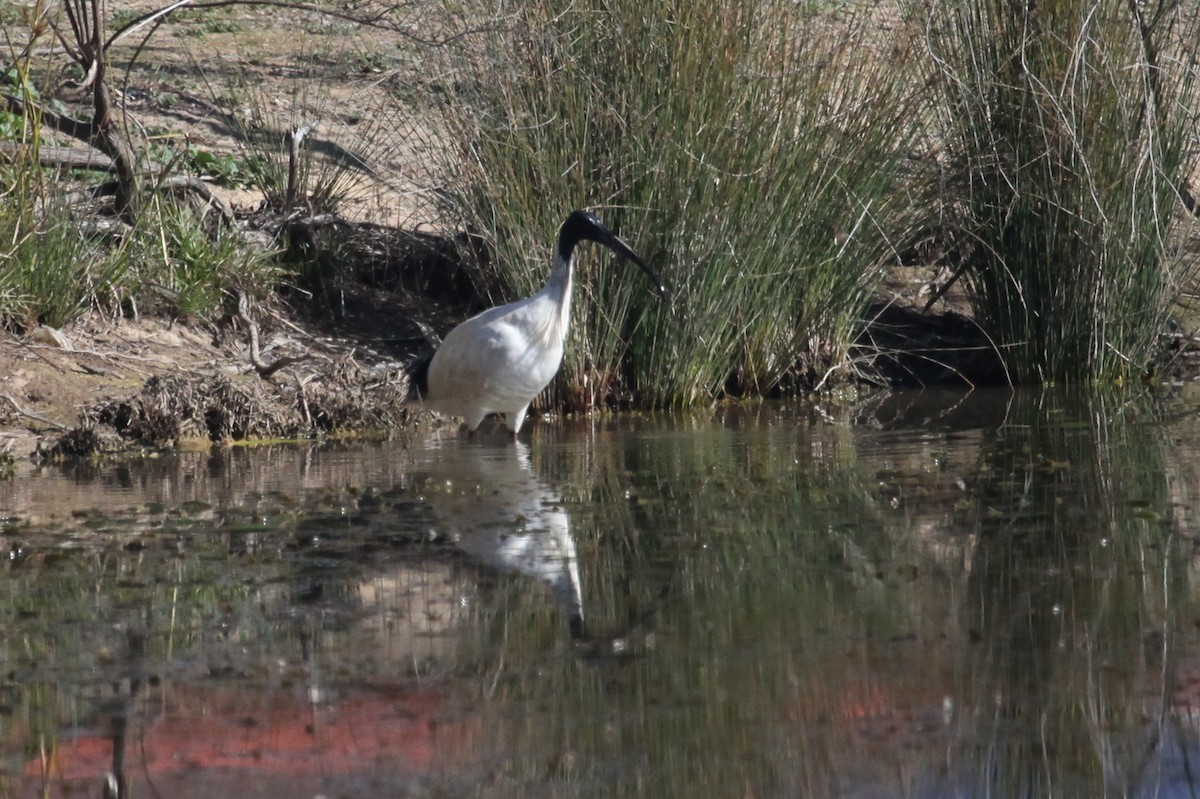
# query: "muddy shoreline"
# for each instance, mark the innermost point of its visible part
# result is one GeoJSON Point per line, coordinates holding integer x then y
{"type": "Point", "coordinates": [336, 364]}
{"type": "Point", "coordinates": [331, 358]}
{"type": "Point", "coordinates": [113, 384]}
{"type": "Point", "coordinates": [108, 385]}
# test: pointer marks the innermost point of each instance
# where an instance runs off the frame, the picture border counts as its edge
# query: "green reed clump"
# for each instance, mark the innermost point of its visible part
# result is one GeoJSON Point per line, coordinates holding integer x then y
{"type": "Point", "coordinates": [1064, 129]}
{"type": "Point", "coordinates": [60, 260]}
{"type": "Point", "coordinates": [748, 150]}
{"type": "Point", "coordinates": [184, 264]}
{"type": "Point", "coordinates": [49, 272]}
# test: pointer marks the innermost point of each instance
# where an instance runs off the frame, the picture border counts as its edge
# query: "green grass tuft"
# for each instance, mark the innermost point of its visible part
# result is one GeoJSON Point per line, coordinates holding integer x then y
{"type": "Point", "coordinates": [52, 271]}
{"type": "Point", "coordinates": [59, 261]}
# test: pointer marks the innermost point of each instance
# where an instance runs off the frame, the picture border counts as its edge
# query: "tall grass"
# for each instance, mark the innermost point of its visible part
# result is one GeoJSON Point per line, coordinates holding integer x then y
{"type": "Point", "coordinates": [263, 133]}
{"type": "Point", "coordinates": [58, 262]}
{"type": "Point", "coordinates": [182, 265]}
{"type": "Point", "coordinates": [323, 145]}
{"type": "Point", "coordinates": [1066, 129]}
{"type": "Point", "coordinates": [748, 149]}
{"type": "Point", "coordinates": [49, 272]}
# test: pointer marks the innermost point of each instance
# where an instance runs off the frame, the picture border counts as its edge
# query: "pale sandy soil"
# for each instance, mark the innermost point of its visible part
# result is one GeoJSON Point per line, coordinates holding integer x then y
{"type": "Point", "coordinates": [47, 382]}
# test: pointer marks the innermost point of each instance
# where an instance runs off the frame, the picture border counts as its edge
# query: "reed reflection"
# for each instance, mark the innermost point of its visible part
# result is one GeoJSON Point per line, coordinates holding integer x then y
{"type": "Point", "coordinates": [1079, 598]}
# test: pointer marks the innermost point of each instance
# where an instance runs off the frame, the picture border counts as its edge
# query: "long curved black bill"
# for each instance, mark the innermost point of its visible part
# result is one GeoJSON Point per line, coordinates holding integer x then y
{"type": "Point", "coordinates": [621, 248]}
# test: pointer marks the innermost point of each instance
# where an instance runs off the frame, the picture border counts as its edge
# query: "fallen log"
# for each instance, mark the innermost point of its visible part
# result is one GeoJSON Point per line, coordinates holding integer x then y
{"type": "Point", "coordinates": [69, 157]}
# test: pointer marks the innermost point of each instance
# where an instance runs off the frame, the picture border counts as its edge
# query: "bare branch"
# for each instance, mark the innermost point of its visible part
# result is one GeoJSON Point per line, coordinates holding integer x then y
{"type": "Point", "coordinates": [27, 414]}
{"type": "Point", "coordinates": [264, 369]}
{"type": "Point", "coordinates": [83, 131]}
{"type": "Point", "coordinates": [295, 141]}
{"type": "Point", "coordinates": [187, 183]}
{"type": "Point", "coordinates": [144, 20]}
{"type": "Point", "coordinates": [70, 157]}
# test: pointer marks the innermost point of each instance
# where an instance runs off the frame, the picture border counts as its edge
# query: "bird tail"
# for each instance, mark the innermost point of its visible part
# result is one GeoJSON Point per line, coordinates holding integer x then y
{"type": "Point", "coordinates": [431, 336]}
{"type": "Point", "coordinates": [418, 376]}
{"type": "Point", "coordinates": [418, 370]}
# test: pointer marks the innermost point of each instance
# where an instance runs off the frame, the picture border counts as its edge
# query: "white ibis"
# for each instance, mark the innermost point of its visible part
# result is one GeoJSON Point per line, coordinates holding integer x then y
{"type": "Point", "coordinates": [500, 359]}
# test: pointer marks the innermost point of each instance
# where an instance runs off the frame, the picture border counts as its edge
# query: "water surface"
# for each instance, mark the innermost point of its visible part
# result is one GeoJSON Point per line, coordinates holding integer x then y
{"type": "Point", "coordinates": [929, 595]}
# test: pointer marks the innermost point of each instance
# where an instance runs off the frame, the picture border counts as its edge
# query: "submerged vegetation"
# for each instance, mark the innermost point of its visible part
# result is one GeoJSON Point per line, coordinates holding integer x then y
{"type": "Point", "coordinates": [773, 161]}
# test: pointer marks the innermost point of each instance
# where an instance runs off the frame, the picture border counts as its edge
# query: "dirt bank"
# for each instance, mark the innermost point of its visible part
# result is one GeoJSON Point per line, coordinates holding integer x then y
{"type": "Point", "coordinates": [108, 384]}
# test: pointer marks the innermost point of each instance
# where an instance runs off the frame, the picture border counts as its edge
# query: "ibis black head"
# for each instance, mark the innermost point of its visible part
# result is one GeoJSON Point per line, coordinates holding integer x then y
{"type": "Point", "coordinates": [584, 226]}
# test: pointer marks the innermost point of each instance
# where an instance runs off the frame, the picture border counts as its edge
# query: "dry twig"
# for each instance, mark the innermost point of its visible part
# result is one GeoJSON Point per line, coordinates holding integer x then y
{"type": "Point", "coordinates": [29, 415]}
{"type": "Point", "coordinates": [264, 369]}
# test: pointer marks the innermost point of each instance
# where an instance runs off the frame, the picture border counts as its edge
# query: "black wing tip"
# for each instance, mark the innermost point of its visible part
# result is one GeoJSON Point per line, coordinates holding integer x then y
{"type": "Point", "coordinates": [575, 626]}
{"type": "Point", "coordinates": [418, 375]}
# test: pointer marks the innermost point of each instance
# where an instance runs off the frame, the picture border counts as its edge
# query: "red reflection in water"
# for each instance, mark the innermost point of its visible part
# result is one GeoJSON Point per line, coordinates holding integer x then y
{"type": "Point", "coordinates": [230, 728]}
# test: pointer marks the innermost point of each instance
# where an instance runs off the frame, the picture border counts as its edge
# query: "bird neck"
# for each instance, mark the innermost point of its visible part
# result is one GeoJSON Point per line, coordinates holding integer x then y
{"type": "Point", "coordinates": [558, 290]}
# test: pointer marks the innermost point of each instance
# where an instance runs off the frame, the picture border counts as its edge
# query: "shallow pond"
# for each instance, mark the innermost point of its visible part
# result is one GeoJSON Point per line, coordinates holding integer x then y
{"type": "Point", "coordinates": [935, 595]}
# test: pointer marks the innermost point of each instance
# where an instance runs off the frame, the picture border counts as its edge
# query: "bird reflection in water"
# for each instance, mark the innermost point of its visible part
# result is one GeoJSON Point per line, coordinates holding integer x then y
{"type": "Point", "coordinates": [491, 504]}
